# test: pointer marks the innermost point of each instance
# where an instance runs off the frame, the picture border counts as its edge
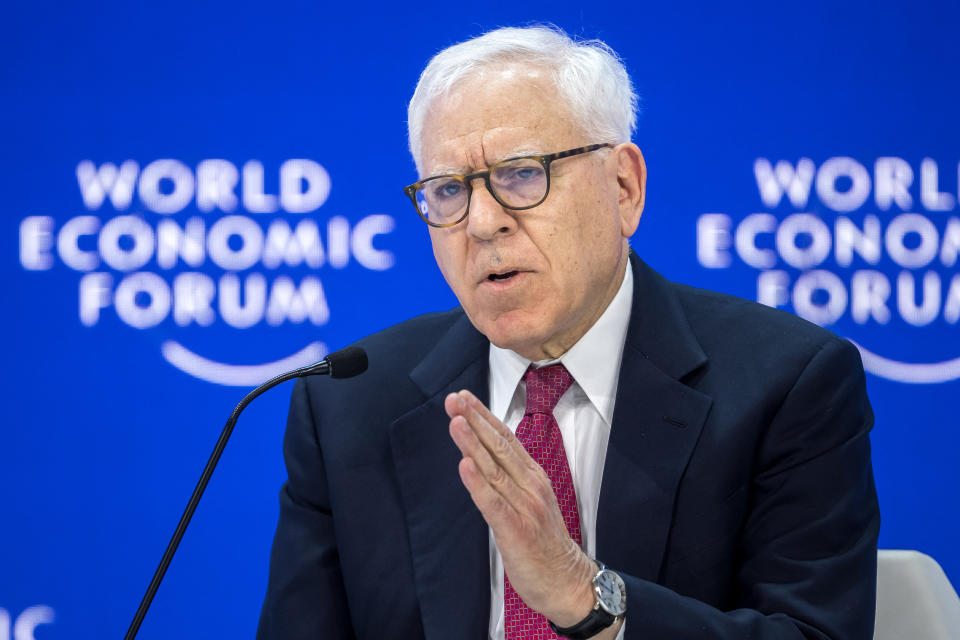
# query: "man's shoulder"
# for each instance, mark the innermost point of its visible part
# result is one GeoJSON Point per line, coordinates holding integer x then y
{"type": "Point", "coordinates": [411, 340]}
{"type": "Point", "coordinates": [758, 358]}
{"type": "Point", "coordinates": [729, 324]}
{"type": "Point", "coordinates": [393, 353]}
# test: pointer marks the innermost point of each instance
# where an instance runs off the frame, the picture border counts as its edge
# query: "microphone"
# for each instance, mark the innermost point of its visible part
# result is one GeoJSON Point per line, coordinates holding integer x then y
{"type": "Point", "coordinates": [345, 363]}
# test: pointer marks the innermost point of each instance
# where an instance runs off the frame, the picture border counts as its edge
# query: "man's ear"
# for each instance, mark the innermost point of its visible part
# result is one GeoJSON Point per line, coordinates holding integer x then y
{"type": "Point", "coordinates": [632, 180]}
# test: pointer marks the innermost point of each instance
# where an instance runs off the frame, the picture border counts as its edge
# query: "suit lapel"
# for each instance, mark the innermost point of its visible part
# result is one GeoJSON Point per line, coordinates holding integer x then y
{"type": "Point", "coordinates": [448, 536]}
{"type": "Point", "coordinates": [656, 424]}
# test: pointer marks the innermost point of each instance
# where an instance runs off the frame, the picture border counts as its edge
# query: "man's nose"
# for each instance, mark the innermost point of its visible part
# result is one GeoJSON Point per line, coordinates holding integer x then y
{"type": "Point", "coordinates": [488, 218]}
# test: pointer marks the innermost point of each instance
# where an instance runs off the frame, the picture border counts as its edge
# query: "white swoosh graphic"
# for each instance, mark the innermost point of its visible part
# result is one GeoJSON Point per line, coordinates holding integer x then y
{"type": "Point", "coordinates": [238, 375]}
{"type": "Point", "coordinates": [909, 372]}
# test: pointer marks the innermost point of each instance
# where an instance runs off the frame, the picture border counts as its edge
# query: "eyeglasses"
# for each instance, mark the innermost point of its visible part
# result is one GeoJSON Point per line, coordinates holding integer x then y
{"type": "Point", "coordinates": [516, 183]}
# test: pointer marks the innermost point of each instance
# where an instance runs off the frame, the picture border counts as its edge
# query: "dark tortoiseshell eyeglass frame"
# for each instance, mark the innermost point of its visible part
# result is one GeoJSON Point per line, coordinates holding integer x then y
{"type": "Point", "coordinates": [467, 180]}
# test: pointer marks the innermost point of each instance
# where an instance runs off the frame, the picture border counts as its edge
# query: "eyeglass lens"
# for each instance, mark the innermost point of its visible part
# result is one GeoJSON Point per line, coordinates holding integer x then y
{"type": "Point", "coordinates": [515, 183]}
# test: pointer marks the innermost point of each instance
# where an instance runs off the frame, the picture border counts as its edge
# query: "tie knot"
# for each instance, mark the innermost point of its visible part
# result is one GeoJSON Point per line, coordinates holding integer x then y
{"type": "Point", "coordinates": [545, 386]}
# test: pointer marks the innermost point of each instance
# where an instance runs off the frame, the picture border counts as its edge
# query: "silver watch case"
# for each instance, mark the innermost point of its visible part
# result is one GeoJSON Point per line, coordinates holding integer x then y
{"type": "Point", "coordinates": [611, 592]}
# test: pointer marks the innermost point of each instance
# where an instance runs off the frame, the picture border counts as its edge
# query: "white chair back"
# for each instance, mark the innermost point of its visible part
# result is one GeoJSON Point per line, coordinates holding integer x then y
{"type": "Point", "coordinates": [915, 600]}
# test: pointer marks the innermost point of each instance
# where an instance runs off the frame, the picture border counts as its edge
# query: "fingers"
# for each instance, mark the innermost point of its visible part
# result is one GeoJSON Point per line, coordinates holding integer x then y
{"type": "Point", "coordinates": [503, 480]}
{"type": "Point", "coordinates": [502, 452]}
{"type": "Point", "coordinates": [477, 454]}
{"type": "Point", "coordinates": [483, 471]}
{"type": "Point", "coordinates": [497, 510]}
{"type": "Point", "coordinates": [512, 507]}
{"type": "Point", "coordinates": [463, 401]}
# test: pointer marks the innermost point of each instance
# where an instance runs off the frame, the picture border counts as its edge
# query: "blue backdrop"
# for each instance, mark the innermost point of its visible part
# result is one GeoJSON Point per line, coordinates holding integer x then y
{"type": "Point", "coordinates": [196, 194]}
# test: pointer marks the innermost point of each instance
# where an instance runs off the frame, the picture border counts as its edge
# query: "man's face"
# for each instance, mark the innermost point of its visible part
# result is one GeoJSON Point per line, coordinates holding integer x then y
{"type": "Point", "coordinates": [532, 281]}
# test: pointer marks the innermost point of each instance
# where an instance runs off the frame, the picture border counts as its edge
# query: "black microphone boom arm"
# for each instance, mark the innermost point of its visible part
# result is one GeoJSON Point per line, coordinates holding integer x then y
{"type": "Point", "coordinates": [345, 363]}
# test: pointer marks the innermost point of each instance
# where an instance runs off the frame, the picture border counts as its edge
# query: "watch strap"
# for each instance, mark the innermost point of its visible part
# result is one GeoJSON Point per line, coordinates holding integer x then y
{"type": "Point", "coordinates": [594, 623]}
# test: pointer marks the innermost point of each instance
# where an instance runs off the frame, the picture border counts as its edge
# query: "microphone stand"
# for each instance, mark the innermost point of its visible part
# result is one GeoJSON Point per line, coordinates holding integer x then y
{"type": "Point", "coordinates": [349, 362]}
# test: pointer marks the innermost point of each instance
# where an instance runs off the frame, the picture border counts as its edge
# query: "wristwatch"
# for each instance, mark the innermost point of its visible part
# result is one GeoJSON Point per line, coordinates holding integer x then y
{"type": "Point", "coordinates": [611, 595]}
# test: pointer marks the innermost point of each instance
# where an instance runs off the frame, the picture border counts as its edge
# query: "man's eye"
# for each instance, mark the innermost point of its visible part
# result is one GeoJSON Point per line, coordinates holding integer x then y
{"type": "Point", "coordinates": [526, 173]}
{"type": "Point", "coordinates": [514, 175]}
{"type": "Point", "coordinates": [447, 190]}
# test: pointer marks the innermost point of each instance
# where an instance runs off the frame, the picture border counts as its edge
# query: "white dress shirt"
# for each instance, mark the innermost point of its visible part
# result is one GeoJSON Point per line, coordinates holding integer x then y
{"type": "Point", "coordinates": [584, 415]}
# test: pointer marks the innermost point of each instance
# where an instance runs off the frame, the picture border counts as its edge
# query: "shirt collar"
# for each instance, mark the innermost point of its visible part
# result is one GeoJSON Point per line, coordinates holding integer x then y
{"type": "Point", "coordinates": [594, 361]}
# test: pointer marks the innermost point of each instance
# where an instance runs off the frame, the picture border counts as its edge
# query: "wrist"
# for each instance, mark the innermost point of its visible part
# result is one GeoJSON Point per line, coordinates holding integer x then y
{"type": "Point", "coordinates": [606, 616]}
{"type": "Point", "coordinates": [581, 598]}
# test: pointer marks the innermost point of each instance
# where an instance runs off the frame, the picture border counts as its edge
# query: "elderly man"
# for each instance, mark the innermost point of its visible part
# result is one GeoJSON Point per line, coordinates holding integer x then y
{"type": "Point", "coordinates": [581, 449]}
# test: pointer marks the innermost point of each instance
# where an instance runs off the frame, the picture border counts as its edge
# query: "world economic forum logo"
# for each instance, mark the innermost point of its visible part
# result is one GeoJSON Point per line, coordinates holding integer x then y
{"type": "Point", "coordinates": [198, 245]}
{"type": "Point", "coordinates": [869, 247]}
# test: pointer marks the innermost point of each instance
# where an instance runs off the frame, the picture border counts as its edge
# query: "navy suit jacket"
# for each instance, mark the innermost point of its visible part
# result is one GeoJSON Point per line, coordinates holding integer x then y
{"type": "Point", "coordinates": [737, 498]}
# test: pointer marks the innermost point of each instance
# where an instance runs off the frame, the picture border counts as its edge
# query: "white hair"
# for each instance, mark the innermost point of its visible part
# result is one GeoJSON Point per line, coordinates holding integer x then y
{"type": "Point", "coordinates": [589, 77]}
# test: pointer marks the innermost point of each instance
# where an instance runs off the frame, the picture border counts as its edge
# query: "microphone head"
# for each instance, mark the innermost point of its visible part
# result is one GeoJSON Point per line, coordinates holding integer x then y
{"type": "Point", "coordinates": [347, 363]}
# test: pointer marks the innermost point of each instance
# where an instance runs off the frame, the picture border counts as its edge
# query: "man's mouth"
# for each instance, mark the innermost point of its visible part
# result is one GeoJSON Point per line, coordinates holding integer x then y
{"type": "Point", "coordinates": [500, 277]}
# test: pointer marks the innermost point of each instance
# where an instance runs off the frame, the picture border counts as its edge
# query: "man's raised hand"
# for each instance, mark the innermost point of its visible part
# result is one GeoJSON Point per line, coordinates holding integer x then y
{"type": "Point", "coordinates": [513, 493]}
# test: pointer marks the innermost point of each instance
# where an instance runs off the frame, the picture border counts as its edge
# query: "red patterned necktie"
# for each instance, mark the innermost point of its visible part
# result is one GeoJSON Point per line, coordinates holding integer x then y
{"type": "Point", "coordinates": [540, 436]}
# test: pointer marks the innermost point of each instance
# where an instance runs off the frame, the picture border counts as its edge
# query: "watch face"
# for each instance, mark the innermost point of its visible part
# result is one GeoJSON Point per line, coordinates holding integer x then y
{"type": "Point", "coordinates": [611, 592]}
